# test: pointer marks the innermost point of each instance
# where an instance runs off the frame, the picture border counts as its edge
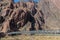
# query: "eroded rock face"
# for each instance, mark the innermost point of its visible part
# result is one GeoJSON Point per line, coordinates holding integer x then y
{"type": "Point", "coordinates": [44, 15]}
{"type": "Point", "coordinates": [18, 15]}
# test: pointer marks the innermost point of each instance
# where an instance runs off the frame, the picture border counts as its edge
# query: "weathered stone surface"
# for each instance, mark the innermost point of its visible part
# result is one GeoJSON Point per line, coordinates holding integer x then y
{"type": "Point", "coordinates": [44, 15]}
{"type": "Point", "coordinates": [18, 15]}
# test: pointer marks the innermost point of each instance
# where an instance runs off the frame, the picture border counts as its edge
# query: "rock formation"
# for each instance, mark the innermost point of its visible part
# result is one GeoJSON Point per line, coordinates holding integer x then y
{"type": "Point", "coordinates": [51, 11]}
{"type": "Point", "coordinates": [20, 16]}
{"type": "Point", "coordinates": [28, 16]}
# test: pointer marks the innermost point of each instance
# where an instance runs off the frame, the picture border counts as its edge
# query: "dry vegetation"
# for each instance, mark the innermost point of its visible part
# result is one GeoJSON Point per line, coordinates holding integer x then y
{"type": "Point", "coordinates": [22, 37]}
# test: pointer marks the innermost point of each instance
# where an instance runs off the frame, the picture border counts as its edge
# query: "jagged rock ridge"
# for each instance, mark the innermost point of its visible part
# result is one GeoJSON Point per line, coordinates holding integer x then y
{"type": "Point", "coordinates": [21, 16]}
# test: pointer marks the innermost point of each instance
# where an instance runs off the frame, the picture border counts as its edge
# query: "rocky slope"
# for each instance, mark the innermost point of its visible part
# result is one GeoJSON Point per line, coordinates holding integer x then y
{"type": "Point", "coordinates": [20, 16]}
{"type": "Point", "coordinates": [51, 11]}
{"type": "Point", "coordinates": [44, 15]}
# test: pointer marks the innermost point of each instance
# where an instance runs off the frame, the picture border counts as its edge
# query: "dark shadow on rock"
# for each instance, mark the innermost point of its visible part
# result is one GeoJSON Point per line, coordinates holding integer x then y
{"type": "Point", "coordinates": [40, 28]}
{"type": "Point", "coordinates": [2, 34]}
{"type": "Point", "coordinates": [11, 6]}
{"type": "Point", "coordinates": [2, 19]}
{"type": "Point", "coordinates": [13, 25]}
{"type": "Point", "coordinates": [32, 20]}
{"type": "Point", "coordinates": [34, 11]}
{"type": "Point", "coordinates": [42, 21]}
{"type": "Point", "coordinates": [7, 12]}
{"type": "Point", "coordinates": [42, 18]}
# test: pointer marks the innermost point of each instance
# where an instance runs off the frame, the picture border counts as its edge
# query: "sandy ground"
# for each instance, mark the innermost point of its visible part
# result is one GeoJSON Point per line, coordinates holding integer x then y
{"type": "Point", "coordinates": [34, 37]}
